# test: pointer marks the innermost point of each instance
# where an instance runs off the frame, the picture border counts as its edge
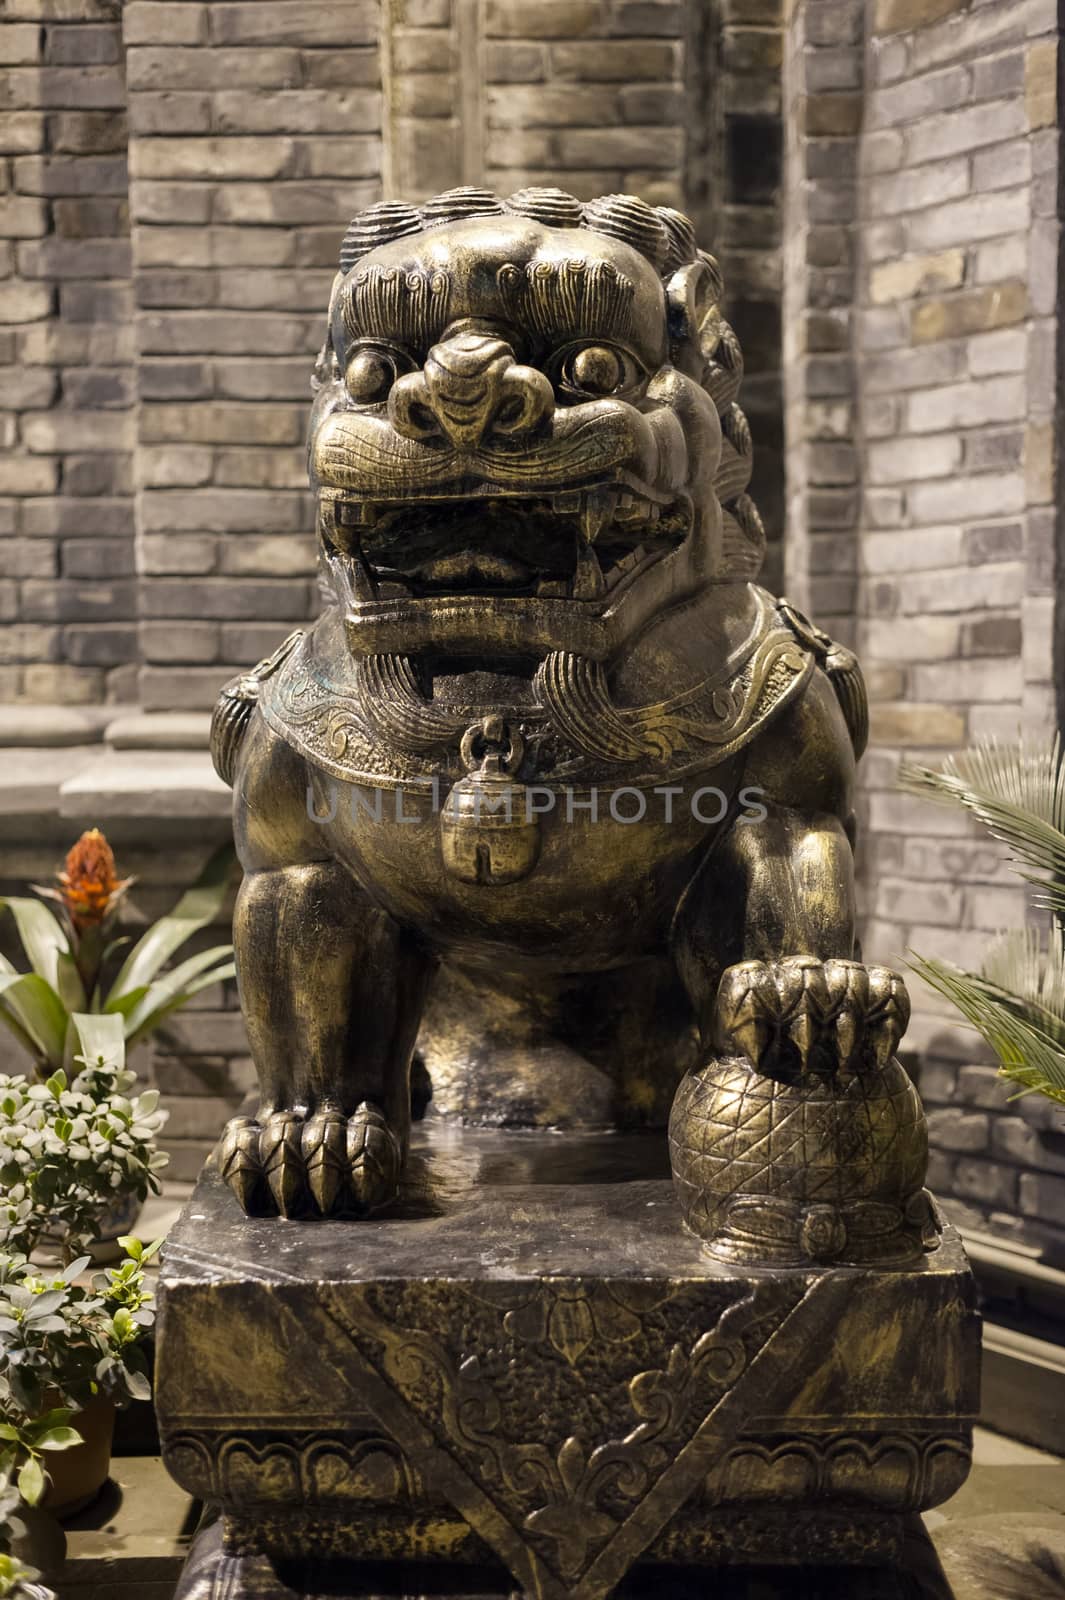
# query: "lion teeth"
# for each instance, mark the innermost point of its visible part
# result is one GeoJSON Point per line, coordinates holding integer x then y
{"type": "Point", "coordinates": [597, 509]}
{"type": "Point", "coordinates": [588, 581]}
{"type": "Point", "coordinates": [387, 589]}
{"type": "Point", "coordinates": [552, 589]}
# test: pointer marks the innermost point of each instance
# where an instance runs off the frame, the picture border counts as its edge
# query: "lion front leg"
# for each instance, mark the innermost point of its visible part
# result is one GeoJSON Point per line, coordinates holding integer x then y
{"type": "Point", "coordinates": [799, 1138]}
{"type": "Point", "coordinates": [332, 990]}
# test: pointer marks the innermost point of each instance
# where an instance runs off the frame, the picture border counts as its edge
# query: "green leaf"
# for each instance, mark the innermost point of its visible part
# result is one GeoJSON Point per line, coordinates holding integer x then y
{"type": "Point", "coordinates": [125, 1003]}
{"type": "Point", "coordinates": [152, 1021]}
{"type": "Point", "coordinates": [14, 1026]}
{"type": "Point", "coordinates": [60, 1439]}
{"type": "Point", "coordinates": [1017, 792]}
{"type": "Point", "coordinates": [160, 996]}
{"type": "Point", "coordinates": [138, 1386]}
{"type": "Point", "coordinates": [195, 910]}
{"type": "Point", "coordinates": [1027, 1053]}
{"type": "Point", "coordinates": [37, 1008]}
{"type": "Point", "coordinates": [131, 1245]}
{"type": "Point", "coordinates": [47, 947]}
{"type": "Point", "coordinates": [101, 1034]}
{"type": "Point", "coordinates": [58, 1417]}
{"type": "Point", "coordinates": [31, 1481]}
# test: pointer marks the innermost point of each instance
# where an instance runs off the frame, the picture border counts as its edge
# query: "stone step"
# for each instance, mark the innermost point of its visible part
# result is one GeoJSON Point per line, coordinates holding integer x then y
{"type": "Point", "coordinates": [133, 1541]}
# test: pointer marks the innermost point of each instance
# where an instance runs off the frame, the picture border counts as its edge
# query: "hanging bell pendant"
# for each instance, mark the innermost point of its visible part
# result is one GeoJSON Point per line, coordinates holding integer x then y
{"type": "Point", "coordinates": [487, 833]}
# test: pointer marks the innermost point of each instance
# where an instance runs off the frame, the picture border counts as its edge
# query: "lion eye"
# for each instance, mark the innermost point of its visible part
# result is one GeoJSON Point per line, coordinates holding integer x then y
{"type": "Point", "coordinates": [598, 369]}
{"type": "Point", "coordinates": [369, 376]}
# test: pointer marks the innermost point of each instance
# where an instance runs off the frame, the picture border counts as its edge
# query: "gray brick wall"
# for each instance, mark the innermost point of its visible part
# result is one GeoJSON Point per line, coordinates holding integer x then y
{"type": "Point", "coordinates": [255, 132]}
{"type": "Point", "coordinates": [67, 587]}
{"type": "Point", "coordinates": [152, 487]}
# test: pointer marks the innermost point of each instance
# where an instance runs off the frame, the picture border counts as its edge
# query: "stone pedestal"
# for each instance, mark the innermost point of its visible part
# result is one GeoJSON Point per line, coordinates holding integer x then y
{"type": "Point", "coordinates": [529, 1375]}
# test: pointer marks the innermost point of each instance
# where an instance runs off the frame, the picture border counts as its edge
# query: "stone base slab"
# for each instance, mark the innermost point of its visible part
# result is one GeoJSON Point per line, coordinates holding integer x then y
{"type": "Point", "coordinates": [528, 1366]}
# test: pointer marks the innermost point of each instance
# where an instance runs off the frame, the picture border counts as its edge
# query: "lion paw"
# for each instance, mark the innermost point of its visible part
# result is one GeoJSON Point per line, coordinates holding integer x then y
{"type": "Point", "coordinates": [326, 1164]}
{"type": "Point", "coordinates": [828, 1015]}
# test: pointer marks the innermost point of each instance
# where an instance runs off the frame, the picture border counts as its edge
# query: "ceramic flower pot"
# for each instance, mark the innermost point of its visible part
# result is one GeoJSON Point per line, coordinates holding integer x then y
{"type": "Point", "coordinates": [79, 1474]}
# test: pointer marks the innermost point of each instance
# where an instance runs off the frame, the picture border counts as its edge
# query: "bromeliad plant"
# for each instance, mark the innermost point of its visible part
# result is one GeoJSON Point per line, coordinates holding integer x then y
{"type": "Point", "coordinates": [1017, 999]}
{"type": "Point", "coordinates": [66, 998]}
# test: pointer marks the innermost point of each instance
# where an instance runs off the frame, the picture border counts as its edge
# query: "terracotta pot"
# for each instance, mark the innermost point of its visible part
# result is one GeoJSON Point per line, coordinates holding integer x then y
{"type": "Point", "coordinates": [79, 1474]}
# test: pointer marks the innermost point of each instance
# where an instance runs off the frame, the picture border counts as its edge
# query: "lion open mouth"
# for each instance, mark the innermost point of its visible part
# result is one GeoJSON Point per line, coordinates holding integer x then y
{"type": "Point", "coordinates": [579, 544]}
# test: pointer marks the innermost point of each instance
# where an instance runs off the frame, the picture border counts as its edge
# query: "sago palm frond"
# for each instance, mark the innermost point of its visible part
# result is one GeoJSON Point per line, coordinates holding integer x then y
{"type": "Point", "coordinates": [1024, 1036]}
{"type": "Point", "coordinates": [1018, 793]}
{"type": "Point", "coordinates": [1029, 977]}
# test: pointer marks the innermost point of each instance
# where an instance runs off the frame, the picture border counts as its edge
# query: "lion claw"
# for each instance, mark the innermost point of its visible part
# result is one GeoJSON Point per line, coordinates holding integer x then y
{"type": "Point", "coordinates": [324, 1165]}
{"type": "Point", "coordinates": [835, 1015]}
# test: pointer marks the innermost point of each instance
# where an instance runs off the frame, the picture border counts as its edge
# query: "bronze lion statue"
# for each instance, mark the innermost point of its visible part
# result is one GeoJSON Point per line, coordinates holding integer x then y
{"type": "Point", "coordinates": [553, 790]}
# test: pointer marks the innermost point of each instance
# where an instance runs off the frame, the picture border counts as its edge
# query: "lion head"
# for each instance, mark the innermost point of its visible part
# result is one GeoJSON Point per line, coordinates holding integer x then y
{"type": "Point", "coordinates": [525, 435]}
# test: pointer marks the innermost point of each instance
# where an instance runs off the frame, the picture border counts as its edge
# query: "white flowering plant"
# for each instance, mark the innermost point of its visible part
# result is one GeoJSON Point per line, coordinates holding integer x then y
{"type": "Point", "coordinates": [68, 1149]}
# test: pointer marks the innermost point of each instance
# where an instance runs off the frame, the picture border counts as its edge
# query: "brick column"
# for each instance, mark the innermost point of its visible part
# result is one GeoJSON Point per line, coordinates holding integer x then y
{"type": "Point", "coordinates": [823, 112]}
{"type": "Point", "coordinates": [255, 136]}
{"type": "Point", "coordinates": [744, 222]}
{"type": "Point", "coordinates": [67, 595]}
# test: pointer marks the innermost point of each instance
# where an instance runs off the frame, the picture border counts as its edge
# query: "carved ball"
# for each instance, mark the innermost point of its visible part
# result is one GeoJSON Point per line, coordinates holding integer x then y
{"type": "Point", "coordinates": [815, 1141]}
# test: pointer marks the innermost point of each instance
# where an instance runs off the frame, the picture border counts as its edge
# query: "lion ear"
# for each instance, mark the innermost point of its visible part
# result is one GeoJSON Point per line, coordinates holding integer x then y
{"type": "Point", "coordinates": [693, 297]}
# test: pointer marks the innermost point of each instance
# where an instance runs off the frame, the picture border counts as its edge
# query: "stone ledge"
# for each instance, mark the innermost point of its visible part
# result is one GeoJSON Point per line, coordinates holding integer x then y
{"type": "Point", "coordinates": [135, 783]}
{"type": "Point", "coordinates": [91, 782]}
{"type": "Point", "coordinates": [47, 727]}
{"type": "Point", "coordinates": [159, 730]}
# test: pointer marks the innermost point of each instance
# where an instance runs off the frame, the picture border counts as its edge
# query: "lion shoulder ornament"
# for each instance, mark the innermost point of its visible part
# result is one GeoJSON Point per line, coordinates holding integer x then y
{"type": "Point", "coordinates": [554, 796]}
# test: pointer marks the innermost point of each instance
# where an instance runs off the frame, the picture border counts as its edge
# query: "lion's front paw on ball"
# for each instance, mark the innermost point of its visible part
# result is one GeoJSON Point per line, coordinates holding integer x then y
{"type": "Point", "coordinates": [832, 1014]}
{"type": "Point", "coordinates": [326, 1164]}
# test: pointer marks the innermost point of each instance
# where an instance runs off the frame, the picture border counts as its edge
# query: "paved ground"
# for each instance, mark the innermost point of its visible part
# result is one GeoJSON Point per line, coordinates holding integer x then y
{"type": "Point", "coordinates": [1002, 1537]}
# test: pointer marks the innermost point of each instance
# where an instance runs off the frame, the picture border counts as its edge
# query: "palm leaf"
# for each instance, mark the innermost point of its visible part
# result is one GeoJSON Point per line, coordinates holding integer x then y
{"type": "Point", "coordinates": [159, 994]}
{"type": "Point", "coordinates": [1018, 793]}
{"type": "Point", "coordinates": [37, 1009]}
{"type": "Point", "coordinates": [1028, 1053]}
{"type": "Point", "coordinates": [100, 1035]}
{"type": "Point", "coordinates": [216, 975]}
{"type": "Point", "coordinates": [1029, 978]}
{"type": "Point", "coordinates": [47, 947]}
{"type": "Point", "coordinates": [195, 910]}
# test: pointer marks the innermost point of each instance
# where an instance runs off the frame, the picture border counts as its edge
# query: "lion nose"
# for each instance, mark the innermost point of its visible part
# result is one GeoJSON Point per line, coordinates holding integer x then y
{"type": "Point", "coordinates": [470, 388]}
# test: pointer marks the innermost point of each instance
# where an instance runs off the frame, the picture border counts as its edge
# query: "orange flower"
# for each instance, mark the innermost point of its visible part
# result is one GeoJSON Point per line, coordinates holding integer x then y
{"type": "Point", "coordinates": [90, 887]}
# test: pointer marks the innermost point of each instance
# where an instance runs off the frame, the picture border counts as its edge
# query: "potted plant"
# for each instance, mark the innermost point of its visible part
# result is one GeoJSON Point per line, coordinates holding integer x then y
{"type": "Point", "coordinates": [1017, 999]}
{"type": "Point", "coordinates": [71, 1351]}
{"type": "Point", "coordinates": [67, 1343]}
{"type": "Point", "coordinates": [69, 951]}
{"type": "Point", "coordinates": [72, 998]}
{"type": "Point", "coordinates": [67, 1148]}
